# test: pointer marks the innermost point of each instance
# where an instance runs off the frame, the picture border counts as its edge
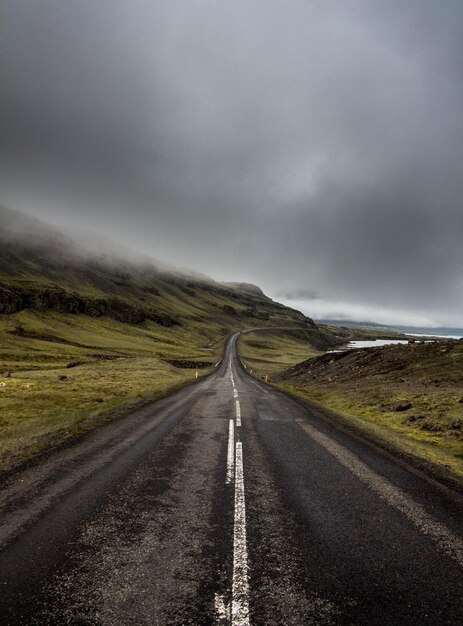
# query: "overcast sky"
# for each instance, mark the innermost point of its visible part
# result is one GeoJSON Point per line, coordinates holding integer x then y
{"type": "Point", "coordinates": [312, 147]}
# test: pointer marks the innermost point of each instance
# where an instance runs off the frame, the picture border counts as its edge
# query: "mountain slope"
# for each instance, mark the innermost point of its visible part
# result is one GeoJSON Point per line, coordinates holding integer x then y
{"type": "Point", "coordinates": [85, 333]}
{"type": "Point", "coordinates": [41, 269]}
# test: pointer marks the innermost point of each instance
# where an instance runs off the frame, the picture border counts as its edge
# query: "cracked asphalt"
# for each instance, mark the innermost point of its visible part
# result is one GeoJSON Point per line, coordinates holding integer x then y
{"type": "Point", "coordinates": [137, 524]}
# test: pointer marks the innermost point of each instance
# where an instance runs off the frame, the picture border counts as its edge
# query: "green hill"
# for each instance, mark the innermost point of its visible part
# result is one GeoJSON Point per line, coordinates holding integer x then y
{"type": "Point", "coordinates": [85, 332]}
{"type": "Point", "coordinates": [43, 270]}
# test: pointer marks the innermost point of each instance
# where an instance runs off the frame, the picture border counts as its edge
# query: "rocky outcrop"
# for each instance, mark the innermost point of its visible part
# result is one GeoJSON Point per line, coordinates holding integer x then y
{"type": "Point", "coordinates": [187, 364]}
{"type": "Point", "coordinates": [13, 300]}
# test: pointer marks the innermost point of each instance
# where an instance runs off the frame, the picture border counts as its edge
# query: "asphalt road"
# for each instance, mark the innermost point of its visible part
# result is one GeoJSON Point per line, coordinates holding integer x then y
{"type": "Point", "coordinates": [228, 503]}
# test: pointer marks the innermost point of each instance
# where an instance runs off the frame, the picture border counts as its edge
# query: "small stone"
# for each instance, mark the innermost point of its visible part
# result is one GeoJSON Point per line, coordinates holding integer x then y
{"type": "Point", "coordinates": [413, 418]}
{"type": "Point", "coordinates": [62, 377]}
{"type": "Point", "coordinates": [457, 424]}
{"type": "Point", "coordinates": [431, 427]}
{"type": "Point", "coordinates": [403, 406]}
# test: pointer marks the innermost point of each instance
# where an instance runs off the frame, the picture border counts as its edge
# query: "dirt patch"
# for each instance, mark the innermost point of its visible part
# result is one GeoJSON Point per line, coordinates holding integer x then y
{"type": "Point", "coordinates": [187, 364]}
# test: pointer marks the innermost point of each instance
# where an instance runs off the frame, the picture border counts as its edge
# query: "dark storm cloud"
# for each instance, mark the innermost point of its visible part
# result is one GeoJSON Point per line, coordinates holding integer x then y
{"type": "Point", "coordinates": [303, 145]}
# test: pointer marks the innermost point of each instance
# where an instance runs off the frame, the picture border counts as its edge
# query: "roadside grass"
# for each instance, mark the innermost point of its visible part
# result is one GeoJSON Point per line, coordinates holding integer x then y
{"type": "Point", "coordinates": [112, 365]}
{"type": "Point", "coordinates": [37, 408]}
{"type": "Point", "coordinates": [366, 390]}
{"type": "Point", "coordinates": [360, 407]}
{"type": "Point", "coordinates": [271, 351]}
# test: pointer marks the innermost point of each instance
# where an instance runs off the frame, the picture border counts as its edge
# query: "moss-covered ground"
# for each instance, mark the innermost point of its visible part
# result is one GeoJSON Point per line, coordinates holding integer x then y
{"type": "Point", "coordinates": [267, 352]}
{"type": "Point", "coordinates": [106, 364]}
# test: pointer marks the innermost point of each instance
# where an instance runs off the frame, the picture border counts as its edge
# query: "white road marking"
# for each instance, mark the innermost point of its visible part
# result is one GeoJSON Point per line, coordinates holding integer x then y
{"type": "Point", "coordinates": [450, 543]}
{"type": "Point", "coordinates": [240, 584]}
{"type": "Point", "coordinates": [235, 393]}
{"type": "Point", "coordinates": [230, 452]}
{"type": "Point", "coordinates": [222, 608]}
{"type": "Point", "coordinates": [238, 412]}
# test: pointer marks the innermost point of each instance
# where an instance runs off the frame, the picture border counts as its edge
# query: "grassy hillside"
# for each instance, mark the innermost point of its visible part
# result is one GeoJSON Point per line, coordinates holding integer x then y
{"type": "Point", "coordinates": [83, 334]}
{"type": "Point", "coordinates": [268, 352]}
{"type": "Point", "coordinates": [410, 394]}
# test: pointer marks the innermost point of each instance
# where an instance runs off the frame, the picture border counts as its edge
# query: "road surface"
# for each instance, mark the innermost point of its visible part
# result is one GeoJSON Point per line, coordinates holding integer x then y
{"type": "Point", "coordinates": [228, 503]}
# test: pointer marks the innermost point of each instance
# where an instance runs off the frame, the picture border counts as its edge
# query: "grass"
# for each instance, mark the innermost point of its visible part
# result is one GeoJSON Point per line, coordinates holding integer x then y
{"type": "Point", "coordinates": [442, 448]}
{"type": "Point", "coordinates": [114, 365]}
{"type": "Point", "coordinates": [365, 387]}
{"type": "Point", "coordinates": [36, 406]}
{"type": "Point", "coordinates": [268, 352]}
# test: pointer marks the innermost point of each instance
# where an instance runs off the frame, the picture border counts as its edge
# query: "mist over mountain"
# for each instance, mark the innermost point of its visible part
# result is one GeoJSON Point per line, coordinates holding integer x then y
{"type": "Point", "coordinates": [305, 147]}
{"type": "Point", "coordinates": [21, 232]}
{"type": "Point", "coordinates": [44, 270]}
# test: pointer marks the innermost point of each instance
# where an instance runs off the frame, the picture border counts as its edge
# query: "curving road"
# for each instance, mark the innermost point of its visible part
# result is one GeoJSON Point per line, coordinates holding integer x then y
{"type": "Point", "coordinates": [228, 503]}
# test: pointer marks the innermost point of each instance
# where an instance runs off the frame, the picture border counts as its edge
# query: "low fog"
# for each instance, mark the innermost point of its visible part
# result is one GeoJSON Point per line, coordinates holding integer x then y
{"type": "Point", "coordinates": [314, 148]}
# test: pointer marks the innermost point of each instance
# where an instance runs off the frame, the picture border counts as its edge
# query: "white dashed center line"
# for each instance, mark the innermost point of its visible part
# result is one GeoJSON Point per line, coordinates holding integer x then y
{"type": "Point", "coordinates": [238, 413]}
{"type": "Point", "coordinates": [236, 611]}
{"type": "Point", "coordinates": [230, 452]}
{"type": "Point", "coordinates": [240, 584]}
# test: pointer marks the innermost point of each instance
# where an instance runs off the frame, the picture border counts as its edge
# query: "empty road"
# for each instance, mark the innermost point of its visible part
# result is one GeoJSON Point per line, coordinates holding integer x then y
{"type": "Point", "coordinates": [228, 503]}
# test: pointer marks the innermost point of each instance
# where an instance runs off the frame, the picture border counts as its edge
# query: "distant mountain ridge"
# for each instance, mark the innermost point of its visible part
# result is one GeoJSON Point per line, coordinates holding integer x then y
{"type": "Point", "coordinates": [420, 330]}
